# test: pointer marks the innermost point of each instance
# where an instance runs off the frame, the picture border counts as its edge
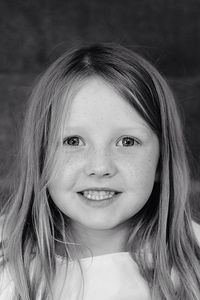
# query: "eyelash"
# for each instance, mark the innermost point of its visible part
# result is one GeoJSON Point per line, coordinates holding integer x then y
{"type": "Point", "coordinates": [72, 137]}
{"type": "Point", "coordinates": [135, 141]}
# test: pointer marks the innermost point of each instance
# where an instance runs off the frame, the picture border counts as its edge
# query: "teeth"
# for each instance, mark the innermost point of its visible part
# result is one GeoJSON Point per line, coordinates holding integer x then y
{"type": "Point", "coordinates": [98, 195]}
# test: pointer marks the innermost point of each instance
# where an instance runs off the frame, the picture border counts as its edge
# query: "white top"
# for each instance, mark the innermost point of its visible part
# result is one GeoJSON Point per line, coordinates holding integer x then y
{"type": "Point", "coordinates": [106, 277]}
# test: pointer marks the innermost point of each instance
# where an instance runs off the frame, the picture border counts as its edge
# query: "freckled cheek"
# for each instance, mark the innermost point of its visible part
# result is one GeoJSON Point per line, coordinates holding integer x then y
{"type": "Point", "coordinates": [68, 169]}
{"type": "Point", "coordinates": [139, 172]}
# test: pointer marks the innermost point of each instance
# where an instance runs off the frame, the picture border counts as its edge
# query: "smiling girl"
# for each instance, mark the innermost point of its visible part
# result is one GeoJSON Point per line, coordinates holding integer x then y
{"type": "Point", "coordinates": [100, 208]}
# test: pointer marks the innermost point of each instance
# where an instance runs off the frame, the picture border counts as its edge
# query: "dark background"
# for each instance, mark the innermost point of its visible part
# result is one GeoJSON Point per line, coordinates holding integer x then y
{"type": "Point", "coordinates": [33, 33]}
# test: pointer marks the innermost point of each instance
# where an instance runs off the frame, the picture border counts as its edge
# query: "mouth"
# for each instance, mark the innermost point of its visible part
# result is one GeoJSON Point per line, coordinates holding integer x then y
{"type": "Point", "coordinates": [98, 194]}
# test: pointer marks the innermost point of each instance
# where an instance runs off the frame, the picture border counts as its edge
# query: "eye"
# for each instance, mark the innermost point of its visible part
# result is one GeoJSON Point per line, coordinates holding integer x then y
{"type": "Point", "coordinates": [73, 141]}
{"type": "Point", "coordinates": [127, 141]}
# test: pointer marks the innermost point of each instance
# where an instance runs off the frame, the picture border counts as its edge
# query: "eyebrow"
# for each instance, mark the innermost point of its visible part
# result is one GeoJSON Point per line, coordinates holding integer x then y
{"type": "Point", "coordinates": [143, 128]}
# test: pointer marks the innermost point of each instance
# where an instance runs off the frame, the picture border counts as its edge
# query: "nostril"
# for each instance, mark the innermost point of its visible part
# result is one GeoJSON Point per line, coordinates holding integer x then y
{"type": "Point", "coordinates": [101, 175]}
{"type": "Point", "coordinates": [100, 169]}
{"type": "Point", "coordinates": [92, 174]}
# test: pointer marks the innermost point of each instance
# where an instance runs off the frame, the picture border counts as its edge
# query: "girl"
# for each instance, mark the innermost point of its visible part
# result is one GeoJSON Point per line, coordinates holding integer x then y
{"type": "Point", "coordinates": [100, 209]}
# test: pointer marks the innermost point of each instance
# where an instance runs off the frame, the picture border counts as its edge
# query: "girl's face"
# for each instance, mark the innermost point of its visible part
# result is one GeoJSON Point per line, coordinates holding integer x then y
{"type": "Point", "coordinates": [107, 163]}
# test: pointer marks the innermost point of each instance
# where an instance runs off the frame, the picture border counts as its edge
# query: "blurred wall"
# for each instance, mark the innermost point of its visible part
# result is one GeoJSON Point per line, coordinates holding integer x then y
{"type": "Point", "coordinates": [33, 33]}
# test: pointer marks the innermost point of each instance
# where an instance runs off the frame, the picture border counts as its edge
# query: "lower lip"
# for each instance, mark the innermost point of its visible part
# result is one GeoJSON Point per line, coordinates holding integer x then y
{"type": "Point", "coordinates": [100, 203]}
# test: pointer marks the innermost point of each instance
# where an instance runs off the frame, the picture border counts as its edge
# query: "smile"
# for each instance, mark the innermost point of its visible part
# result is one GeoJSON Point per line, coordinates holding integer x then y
{"type": "Point", "coordinates": [99, 198]}
{"type": "Point", "coordinates": [99, 195]}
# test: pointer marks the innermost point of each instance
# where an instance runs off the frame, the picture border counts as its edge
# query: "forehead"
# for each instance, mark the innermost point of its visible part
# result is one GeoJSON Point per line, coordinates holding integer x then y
{"type": "Point", "coordinates": [96, 102]}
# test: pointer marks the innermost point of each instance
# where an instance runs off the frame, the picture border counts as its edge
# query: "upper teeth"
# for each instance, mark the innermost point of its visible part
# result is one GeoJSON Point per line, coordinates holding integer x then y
{"type": "Point", "coordinates": [98, 195]}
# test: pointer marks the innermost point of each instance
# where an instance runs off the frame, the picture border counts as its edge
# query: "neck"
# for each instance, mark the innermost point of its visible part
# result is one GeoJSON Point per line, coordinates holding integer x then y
{"type": "Point", "coordinates": [94, 242]}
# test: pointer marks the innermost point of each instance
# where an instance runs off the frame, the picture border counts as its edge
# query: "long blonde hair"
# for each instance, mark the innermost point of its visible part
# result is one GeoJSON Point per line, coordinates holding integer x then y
{"type": "Point", "coordinates": [33, 223]}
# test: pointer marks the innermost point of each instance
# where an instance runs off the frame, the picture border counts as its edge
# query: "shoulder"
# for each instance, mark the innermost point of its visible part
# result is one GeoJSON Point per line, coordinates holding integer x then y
{"type": "Point", "coordinates": [196, 228]}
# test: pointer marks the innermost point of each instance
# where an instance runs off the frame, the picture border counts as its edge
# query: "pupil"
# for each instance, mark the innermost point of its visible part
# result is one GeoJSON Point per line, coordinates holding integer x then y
{"type": "Point", "coordinates": [128, 142]}
{"type": "Point", "coordinates": [73, 141]}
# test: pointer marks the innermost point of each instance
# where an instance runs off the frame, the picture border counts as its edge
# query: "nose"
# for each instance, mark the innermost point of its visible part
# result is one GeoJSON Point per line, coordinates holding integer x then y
{"type": "Point", "coordinates": [100, 164]}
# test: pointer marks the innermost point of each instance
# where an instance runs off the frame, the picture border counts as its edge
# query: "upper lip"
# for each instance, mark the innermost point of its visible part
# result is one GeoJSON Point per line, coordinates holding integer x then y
{"type": "Point", "coordinates": [99, 189]}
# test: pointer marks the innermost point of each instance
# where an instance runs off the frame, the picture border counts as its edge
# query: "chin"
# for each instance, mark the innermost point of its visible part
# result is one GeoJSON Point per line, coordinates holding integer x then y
{"type": "Point", "coordinates": [103, 224]}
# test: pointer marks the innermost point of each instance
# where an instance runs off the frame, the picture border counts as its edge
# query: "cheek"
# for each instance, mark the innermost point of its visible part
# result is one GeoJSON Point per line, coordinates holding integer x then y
{"type": "Point", "coordinates": [66, 170]}
{"type": "Point", "coordinates": [140, 171]}
{"type": "Point", "coordinates": [140, 183]}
